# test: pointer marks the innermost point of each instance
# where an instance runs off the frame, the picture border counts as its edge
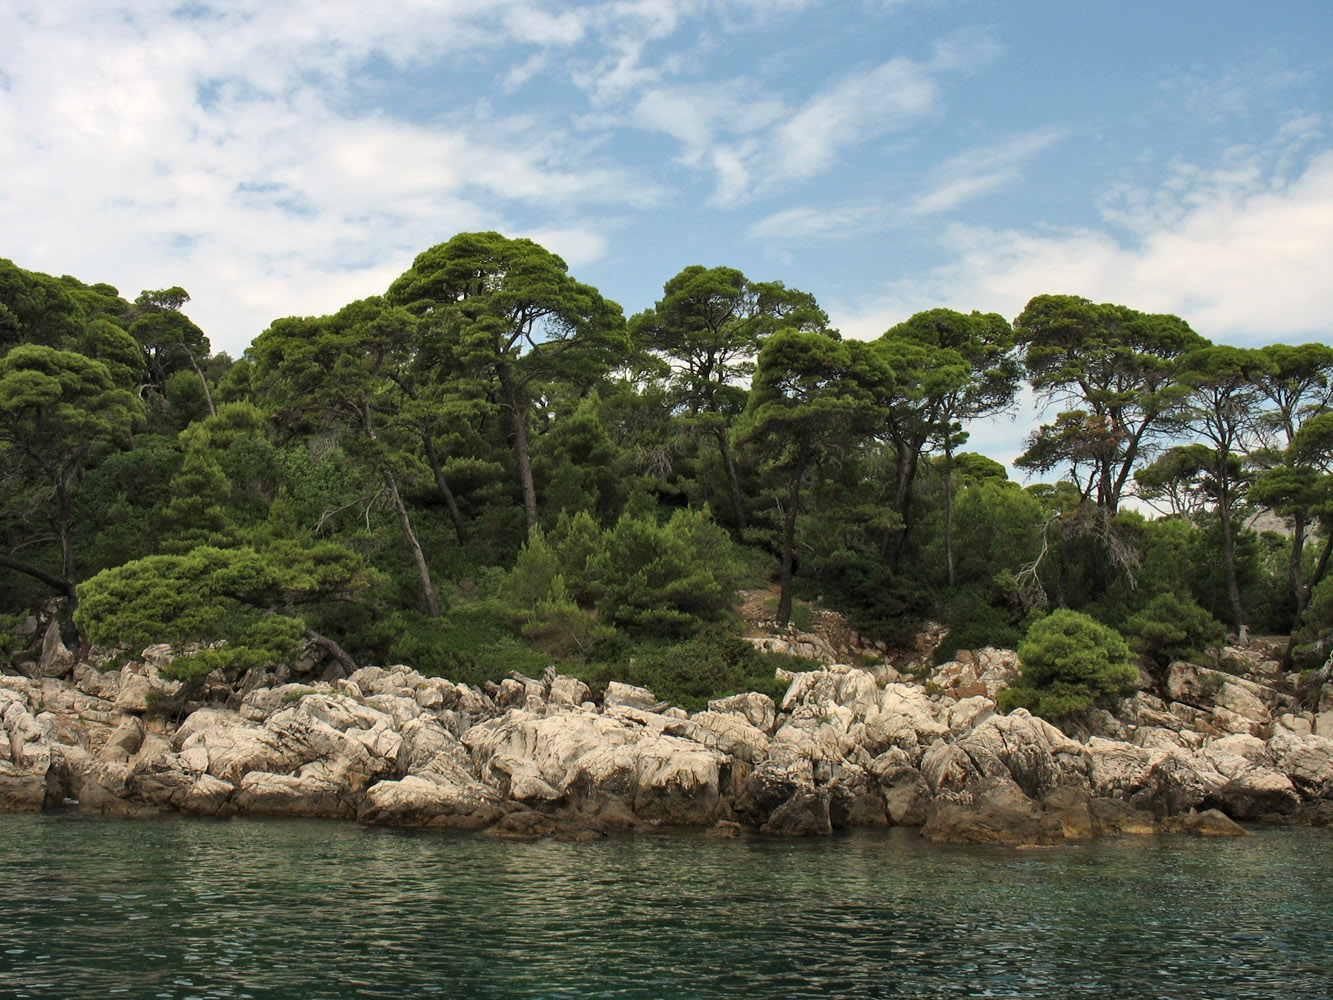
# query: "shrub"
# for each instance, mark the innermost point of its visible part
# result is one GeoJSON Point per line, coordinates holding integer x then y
{"type": "Point", "coordinates": [712, 664]}
{"type": "Point", "coordinates": [1069, 662]}
{"type": "Point", "coordinates": [1172, 628]}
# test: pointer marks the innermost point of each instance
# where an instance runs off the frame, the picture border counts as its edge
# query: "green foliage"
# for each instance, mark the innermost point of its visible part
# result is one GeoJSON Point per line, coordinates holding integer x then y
{"type": "Point", "coordinates": [1069, 662]}
{"type": "Point", "coordinates": [665, 579]}
{"type": "Point", "coordinates": [978, 616]}
{"type": "Point", "coordinates": [1171, 627]}
{"type": "Point", "coordinates": [470, 644]}
{"type": "Point", "coordinates": [711, 664]}
{"type": "Point", "coordinates": [239, 602]}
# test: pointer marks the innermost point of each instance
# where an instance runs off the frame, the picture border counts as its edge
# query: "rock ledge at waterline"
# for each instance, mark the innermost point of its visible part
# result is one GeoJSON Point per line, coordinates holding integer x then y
{"type": "Point", "coordinates": [846, 747]}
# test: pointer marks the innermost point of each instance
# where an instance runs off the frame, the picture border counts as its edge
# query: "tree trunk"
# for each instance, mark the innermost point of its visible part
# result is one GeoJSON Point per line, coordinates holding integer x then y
{"type": "Point", "coordinates": [333, 649]}
{"type": "Point", "coordinates": [733, 481]}
{"type": "Point", "coordinates": [1297, 584]}
{"type": "Point", "coordinates": [410, 536]}
{"type": "Point", "coordinates": [442, 484]}
{"type": "Point", "coordinates": [948, 510]}
{"type": "Point", "coordinates": [895, 539]}
{"type": "Point", "coordinates": [520, 445]}
{"type": "Point", "coordinates": [1303, 598]}
{"type": "Point", "coordinates": [788, 550]}
{"type": "Point", "coordinates": [65, 587]}
{"type": "Point", "coordinates": [208, 395]}
{"type": "Point", "coordinates": [404, 520]}
{"type": "Point", "coordinates": [62, 521]}
{"type": "Point", "coordinates": [1229, 559]}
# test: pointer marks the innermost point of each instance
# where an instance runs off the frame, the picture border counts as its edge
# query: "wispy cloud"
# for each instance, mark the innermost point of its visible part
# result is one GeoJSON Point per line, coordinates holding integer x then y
{"type": "Point", "coordinates": [1235, 240]}
{"type": "Point", "coordinates": [983, 171]}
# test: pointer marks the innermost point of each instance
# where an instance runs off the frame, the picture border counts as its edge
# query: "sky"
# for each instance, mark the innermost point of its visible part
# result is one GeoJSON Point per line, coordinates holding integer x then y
{"type": "Point", "coordinates": [286, 157]}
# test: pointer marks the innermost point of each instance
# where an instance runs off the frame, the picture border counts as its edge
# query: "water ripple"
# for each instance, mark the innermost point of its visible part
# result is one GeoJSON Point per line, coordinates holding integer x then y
{"type": "Point", "coordinates": [196, 910]}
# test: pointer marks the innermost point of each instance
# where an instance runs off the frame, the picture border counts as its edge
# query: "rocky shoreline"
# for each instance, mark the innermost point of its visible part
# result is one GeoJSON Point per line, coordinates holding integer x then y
{"type": "Point", "coordinates": [845, 747]}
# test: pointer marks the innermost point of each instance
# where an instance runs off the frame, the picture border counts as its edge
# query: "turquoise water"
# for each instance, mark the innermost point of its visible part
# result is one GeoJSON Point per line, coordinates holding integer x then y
{"type": "Point", "coordinates": [178, 908]}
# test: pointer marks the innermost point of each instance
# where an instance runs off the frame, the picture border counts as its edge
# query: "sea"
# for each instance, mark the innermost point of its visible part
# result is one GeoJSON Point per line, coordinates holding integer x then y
{"type": "Point", "coordinates": [186, 908]}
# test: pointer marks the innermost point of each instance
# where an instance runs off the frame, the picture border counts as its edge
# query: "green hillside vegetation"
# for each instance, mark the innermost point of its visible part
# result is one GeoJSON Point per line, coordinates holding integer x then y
{"type": "Point", "coordinates": [489, 468]}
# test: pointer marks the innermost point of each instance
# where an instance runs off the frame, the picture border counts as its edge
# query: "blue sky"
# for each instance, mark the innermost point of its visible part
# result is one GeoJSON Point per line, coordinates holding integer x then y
{"type": "Point", "coordinates": [280, 157]}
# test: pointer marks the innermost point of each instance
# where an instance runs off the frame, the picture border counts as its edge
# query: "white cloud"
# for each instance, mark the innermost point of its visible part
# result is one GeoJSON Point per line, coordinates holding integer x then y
{"type": "Point", "coordinates": [980, 172]}
{"type": "Point", "coordinates": [1242, 261]}
{"type": "Point", "coordinates": [155, 150]}
{"type": "Point", "coordinates": [859, 107]}
{"type": "Point", "coordinates": [756, 144]}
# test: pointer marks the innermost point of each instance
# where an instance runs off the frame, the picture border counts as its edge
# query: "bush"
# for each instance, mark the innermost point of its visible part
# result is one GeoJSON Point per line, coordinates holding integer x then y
{"type": "Point", "coordinates": [471, 644]}
{"type": "Point", "coordinates": [712, 664]}
{"type": "Point", "coordinates": [1172, 628]}
{"type": "Point", "coordinates": [1069, 662]}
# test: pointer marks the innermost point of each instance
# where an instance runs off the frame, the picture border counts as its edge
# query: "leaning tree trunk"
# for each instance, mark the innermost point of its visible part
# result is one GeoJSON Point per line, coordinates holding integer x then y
{"type": "Point", "coordinates": [208, 395]}
{"type": "Point", "coordinates": [733, 481]}
{"type": "Point", "coordinates": [414, 546]}
{"type": "Point", "coordinates": [442, 484]}
{"type": "Point", "coordinates": [432, 599]}
{"type": "Point", "coordinates": [788, 549]}
{"type": "Point", "coordinates": [521, 451]}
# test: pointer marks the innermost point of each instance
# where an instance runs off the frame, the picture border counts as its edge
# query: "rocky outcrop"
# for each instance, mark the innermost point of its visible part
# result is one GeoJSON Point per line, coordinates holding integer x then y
{"type": "Point", "coordinates": [843, 747]}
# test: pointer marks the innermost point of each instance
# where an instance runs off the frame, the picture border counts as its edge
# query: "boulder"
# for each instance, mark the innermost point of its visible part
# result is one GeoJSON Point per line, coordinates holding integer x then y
{"type": "Point", "coordinates": [568, 692]}
{"type": "Point", "coordinates": [995, 812]}
{"type": "Point", "coordinates": [138, 684]}
{"type": "Point", "coordinates": [124, 742]}
{"type": "Point", "coordinates": [620, 695]}
{"type": "Point", "coordinates": [1019, 746]}
{"type": "Point", "coordinates": [436, 798]}
{"type": "Point", "coordinates": [176, 782]}
{"type": "Point", "coordinates": [1073, 808]}
{"type": "Point", "coordinates": [727, 732]}
{"type": "Point", "coordinates": [1307, 761]}
{"type": "Point", "coordinates": [805, 814]}
{"type": "Point", "coordinates": [1209, 823]}
{"type": "Point", "coordinates": [55, 660]}
{"type": "Point", "coordinates": [1115, 817]}
{"type": "Point", "coordinates": [1116, 769]}
{"type": "Point", "coordinates": [839, 685]}
{"type": "Point", "coordinates": [1177, 783]}
{"type": "Point", "coordinates": [757, 709]}
{"type": "Point", "coordinates": [314, 796]}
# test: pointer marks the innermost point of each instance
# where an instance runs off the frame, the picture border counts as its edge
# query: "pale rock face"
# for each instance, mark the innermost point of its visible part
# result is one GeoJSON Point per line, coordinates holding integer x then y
{"type": "Point", "coordinates": [430, 799]}
{"type": "Point", "coordinates": [1176, 783]}
{"type": "Point", "coordinates": [964, 716]}
{"type": "Point", "coordinates": [313, 796]}
{"type": "Point", "coordinates": [997, 813]}
{"type": "Point", "coordinates": [208, 718]}
{"type": "Point", "coordinates": [915, 709]}
{"type": "Point", "coordinates": [136, 684]}
{"type": "Point", "coordinates": [1117, 769]}
{"type": "Point", "coordinates": [757, 709]}
{"type": "Point", "coordinates": [1307, 761]}
{"type": "Point", "coordinates": [390, 746]}
{"type": "Point", "coordinates": [620, 695]}
{"type": "Point", "coordinates": [124, 742]}
{"type": "Point", "coordinates": [726, 732]}
{"type": "Point", "coordinates": [1301, 725]}
{"type": "Point", "coordinates": [56, 660]}
{"type": "Point", "coordinates": [568, 692]}
{"type": "Point", "coordinates": [1323, 725]}
{"type": "Point", "coordinates": [586, 758]}
{"type": "Point", "coordinates": [25, 756]}
{"type": "Point", "coordinates": [817, 730]}
{"type": "Point", "coordinates": [1143, 710]}
{"type": "Point", "coordinates": [1036, 755]}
